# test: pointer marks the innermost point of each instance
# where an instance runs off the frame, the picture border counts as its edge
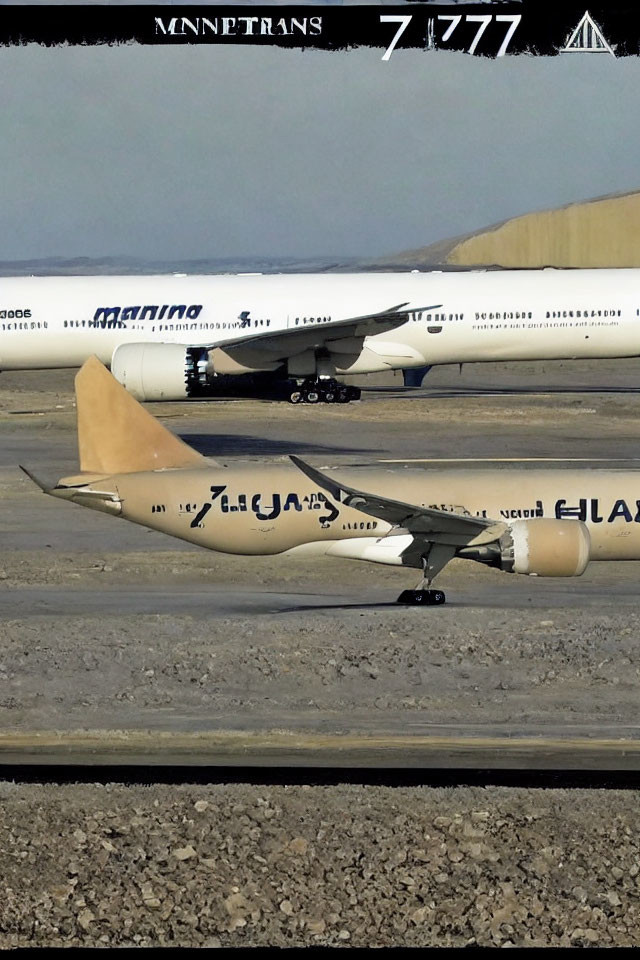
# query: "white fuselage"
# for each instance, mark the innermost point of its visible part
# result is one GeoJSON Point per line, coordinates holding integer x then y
{"type": "Point", "coordinates": [484, 315]}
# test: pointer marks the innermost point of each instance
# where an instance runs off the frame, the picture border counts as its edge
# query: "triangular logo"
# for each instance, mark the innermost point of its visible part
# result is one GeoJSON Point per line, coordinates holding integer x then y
{"type": "Point", "coordinates": [587, 38]}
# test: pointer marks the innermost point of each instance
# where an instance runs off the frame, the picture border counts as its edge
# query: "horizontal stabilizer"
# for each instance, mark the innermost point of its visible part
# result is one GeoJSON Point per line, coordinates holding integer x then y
{"type": "Point", "coordinates": [34, 479]}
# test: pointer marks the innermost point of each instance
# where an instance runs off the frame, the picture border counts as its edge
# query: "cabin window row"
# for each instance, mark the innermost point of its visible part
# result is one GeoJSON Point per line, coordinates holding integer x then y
{"type": "Point", "coordinates": [103, 324]}
{"type": "Point", "coordinates": [161, 327]}
{"type": "Point", "coordinates": [236, 325]}
{"type": "Point", "coordinates": [512, 315]}
{"type": "Point", "coordinates": [440, 317]}
{"type": "Point", "coordinates": [583, 313]}
{"type": "Point", "coordinates": [34, 325]}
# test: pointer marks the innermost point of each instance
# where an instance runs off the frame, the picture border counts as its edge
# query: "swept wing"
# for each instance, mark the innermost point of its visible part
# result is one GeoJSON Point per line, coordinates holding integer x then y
{"type": "Point", "coordinates": [281, 344]}
{"type": "Point", "coordinates": [437, 534]}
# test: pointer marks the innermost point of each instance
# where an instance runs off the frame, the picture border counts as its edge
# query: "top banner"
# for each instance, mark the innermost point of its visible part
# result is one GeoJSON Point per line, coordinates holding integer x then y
{"type": "Point", "coordinates": [489, 29]}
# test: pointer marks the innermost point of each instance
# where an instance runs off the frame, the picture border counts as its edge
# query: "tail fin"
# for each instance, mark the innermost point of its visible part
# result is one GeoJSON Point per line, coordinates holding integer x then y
{"type": "Point", "coordinates": [116, 434]}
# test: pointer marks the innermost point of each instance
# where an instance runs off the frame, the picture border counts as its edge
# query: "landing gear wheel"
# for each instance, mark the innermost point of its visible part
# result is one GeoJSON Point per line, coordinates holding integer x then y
{"type": "Point", "coordinates": [427, 598]}
{"type": "Point", "coordinates": [321, 390]}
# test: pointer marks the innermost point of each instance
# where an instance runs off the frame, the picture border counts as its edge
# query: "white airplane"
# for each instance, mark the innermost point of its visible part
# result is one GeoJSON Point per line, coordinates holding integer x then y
{"type": "Point", "coordinates": [172, 337]}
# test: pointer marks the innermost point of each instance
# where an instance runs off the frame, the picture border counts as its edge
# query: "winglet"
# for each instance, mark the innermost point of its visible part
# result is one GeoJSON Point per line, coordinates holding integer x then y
{"type": "Point", "coordinates": [320, 478]}
{"type": "Point", "coordinates": [116, 434]}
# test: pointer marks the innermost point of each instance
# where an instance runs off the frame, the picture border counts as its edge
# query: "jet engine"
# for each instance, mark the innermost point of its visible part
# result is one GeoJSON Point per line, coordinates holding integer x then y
{"type": "Point", "coordinates": [545, 548]}
{"type": "Point", "coordinates": [161, 371]}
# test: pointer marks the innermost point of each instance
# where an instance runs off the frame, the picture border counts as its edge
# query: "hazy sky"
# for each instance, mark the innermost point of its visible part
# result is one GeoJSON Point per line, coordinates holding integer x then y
{"type": "Point", "coordinates": [213, 151]}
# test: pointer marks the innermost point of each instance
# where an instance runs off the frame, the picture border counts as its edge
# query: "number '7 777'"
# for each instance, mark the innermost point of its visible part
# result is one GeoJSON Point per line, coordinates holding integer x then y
{"type": "Point", "coordinates": [483, 21]}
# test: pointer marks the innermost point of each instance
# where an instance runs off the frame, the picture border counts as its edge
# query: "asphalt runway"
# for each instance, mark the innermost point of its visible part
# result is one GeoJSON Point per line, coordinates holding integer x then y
{"type": "Point", "coordinates": [216, 601]}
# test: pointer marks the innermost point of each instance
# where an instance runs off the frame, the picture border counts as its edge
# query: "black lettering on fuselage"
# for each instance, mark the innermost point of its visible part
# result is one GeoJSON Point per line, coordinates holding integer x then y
{"type": "Point", "coordinates": [577, 513]}
{"type": "Point", "coordinates": [619, 509]}
{"type": "Point", "coordinates": [204, 510]}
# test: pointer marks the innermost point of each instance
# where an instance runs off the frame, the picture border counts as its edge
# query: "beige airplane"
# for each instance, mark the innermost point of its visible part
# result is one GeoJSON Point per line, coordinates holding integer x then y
{"type": "Point", "coordinates": [542, 522]}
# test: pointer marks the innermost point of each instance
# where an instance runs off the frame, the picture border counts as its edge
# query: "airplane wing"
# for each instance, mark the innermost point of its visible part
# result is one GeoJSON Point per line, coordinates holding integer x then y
{"type": "Point", "coordinates": [415, 519]}
{"type": "Point", "coordinates": [434, 531]}
{"type": "Point", "coordinates": [281, 344]}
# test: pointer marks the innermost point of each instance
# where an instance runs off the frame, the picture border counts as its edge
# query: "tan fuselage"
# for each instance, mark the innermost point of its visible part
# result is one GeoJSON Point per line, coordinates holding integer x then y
{"type": "Point", "coordinates": [273, 509]}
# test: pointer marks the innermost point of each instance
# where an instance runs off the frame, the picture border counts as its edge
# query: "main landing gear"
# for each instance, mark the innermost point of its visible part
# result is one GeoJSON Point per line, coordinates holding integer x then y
{"type": "Point", "coordinates": [322, 390]}
{"type": "Point", "coordinates": [436, 557]}
{"type": "Point", "coordinates": [428, 598]}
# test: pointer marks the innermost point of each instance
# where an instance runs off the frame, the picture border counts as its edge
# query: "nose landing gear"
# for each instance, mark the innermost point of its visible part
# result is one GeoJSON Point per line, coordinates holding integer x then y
{"type": "Point", "coordinates": [322, 390]}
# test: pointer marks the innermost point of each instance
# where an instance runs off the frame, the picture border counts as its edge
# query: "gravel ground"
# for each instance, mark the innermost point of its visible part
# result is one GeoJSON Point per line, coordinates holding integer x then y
{"type": "Point", "coordinates": [233, 865]}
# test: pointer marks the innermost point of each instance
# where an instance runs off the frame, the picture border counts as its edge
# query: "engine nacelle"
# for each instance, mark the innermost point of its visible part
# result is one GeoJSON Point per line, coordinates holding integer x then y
{"type": "Point", "coordinates": [546, 548]}
{"type": "Point", "coordinates": [160, 371]}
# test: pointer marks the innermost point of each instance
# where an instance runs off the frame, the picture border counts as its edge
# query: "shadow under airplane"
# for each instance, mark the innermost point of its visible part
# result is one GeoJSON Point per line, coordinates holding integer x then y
{"type": "Point", "coordinates": [450, 393]}
{"type": "Point", "coordinates": [224, 444]}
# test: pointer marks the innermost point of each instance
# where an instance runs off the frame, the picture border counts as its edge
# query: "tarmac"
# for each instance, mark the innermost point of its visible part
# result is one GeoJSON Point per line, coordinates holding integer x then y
{"type": "Point", "coordinates": [107, 626]}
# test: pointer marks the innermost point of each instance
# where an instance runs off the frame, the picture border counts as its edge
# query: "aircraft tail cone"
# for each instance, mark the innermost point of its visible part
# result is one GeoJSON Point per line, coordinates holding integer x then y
{"type": "Point", "coordinates": [116, 434]}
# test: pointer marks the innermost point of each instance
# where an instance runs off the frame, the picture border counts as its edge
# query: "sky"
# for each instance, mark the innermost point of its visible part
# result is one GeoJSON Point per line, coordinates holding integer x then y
{"type": "Point", "coordinates": [206, 151]}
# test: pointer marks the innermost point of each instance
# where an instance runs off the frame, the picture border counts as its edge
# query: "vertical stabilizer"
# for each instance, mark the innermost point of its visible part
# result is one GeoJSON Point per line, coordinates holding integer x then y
{"type": "Point", "coordinates": [116, 434]}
